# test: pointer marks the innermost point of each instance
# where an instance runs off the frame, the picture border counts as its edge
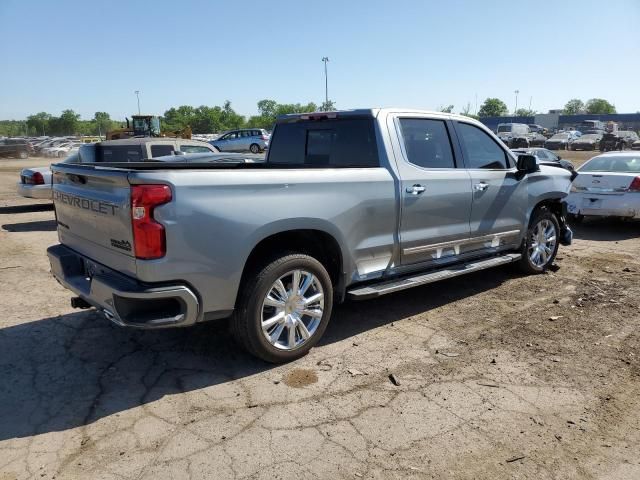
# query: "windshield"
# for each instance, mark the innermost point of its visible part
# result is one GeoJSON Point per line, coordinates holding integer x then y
{"type": "Point", "coordinates": [504, 128]}
{"type": "Point", "coordinates": [72, 159]}
{"type": "Point", "coordinates": [590, 136]}
{"type": "Point", "coordinates": [560, 136]}
{"type": "Point", "coordinates": [146, 126]}
{"type": "Point", "coordinates": [612, 163]}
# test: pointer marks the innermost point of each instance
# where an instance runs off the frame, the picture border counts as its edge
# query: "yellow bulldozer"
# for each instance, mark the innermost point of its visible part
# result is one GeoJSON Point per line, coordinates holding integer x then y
{"type": "Point", "coordinates": [145, 126]}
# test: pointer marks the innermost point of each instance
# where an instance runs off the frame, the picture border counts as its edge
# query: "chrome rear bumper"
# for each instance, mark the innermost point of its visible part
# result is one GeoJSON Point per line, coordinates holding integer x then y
{"type": "Point", "coordinates": [123, 300]}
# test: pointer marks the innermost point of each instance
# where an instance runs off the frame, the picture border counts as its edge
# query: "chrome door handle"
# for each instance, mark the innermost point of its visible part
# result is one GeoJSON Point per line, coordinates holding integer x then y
{"type": "Point", "coordinates": [480, 187]}
{"type": "Point", "coordinates": [415, 189]}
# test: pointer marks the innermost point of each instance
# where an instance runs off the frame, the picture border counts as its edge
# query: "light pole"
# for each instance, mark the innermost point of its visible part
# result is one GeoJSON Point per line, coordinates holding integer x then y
{"type": "Point", "coordinates": [137, 92]}
{"type": "Point", "coordinates": [516, 109]}
{"type": "Point", "coordinates": [326, 83]}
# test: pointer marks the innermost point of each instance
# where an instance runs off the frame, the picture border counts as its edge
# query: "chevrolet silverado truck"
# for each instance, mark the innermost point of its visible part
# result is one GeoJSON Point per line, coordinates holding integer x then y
{"type": "Point", "coordinates": [347, 205]}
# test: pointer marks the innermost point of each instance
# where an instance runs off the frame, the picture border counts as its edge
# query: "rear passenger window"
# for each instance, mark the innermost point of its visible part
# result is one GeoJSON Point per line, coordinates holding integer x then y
{"type": "Point", "coordinates": [427, 143]}
{"type": "Point", "coordinates": [161, 150]}
{"type": "Point", "coordinates": [194, 149]}
{"type": "Point", "coordinates": [480, 150]}
{"type": "Point", "coordinates": [325, 143]}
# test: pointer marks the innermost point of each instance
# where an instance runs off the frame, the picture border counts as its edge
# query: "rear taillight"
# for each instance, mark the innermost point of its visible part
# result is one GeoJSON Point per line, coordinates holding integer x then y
{"type": "Point", "coordinates": [35, 179]}
{"type": "Point", "coordinates": [635, 185]}
{"type": "Point", "coordinates": [264, 137]}
{"type": "Point", "coordinates": [149, 237]}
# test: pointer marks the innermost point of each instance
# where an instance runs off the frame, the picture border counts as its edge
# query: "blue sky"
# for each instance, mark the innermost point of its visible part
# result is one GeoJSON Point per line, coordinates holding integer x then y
{"type": "Point", "coordinates": [91, 56]}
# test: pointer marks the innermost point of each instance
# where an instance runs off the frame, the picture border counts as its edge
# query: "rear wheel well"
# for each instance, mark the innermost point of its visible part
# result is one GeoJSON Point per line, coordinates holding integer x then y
{"type": "Point", "coordinates": [315, 243]}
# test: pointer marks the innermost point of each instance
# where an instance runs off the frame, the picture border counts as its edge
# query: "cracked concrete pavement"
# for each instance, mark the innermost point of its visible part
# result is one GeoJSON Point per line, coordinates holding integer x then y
{"type": "Point", "coordinates": [500, 376]}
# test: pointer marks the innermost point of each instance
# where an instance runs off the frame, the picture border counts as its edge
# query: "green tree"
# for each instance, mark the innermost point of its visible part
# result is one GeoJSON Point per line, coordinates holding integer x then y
{"type": "Point", "coordinates": [599, 106]}
{"type": "Point", "coordinates": [573, 107]}
{"type": "Point", "coordinates": [327, 106]}
{"type": "Point", "coordinates": [68, 122]}
{"type": "Point", "coordinates": [466, 111]}
{"type": "Point", "coordinates": [267, 108]}
{"type": "Point", "coordinates": [231, 119]}
{"type": "Point", "coordinates": [270, 109]}
{"type": "Point", "coordinates": [39, 122]}
{"type": "Point", "coordinates": [525, 112]}
{"type": "Point", "coordinates": [447, 109]}
{"type": "Point", "coordinates": [493, 107]}
{"type": "Point", "coordinates": [102, 122]}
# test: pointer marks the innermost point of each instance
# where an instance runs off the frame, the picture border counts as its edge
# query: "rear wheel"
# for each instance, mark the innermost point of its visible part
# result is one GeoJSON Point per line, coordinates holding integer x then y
{"type": "Point", "coordinates": [254, 148]}
{"type": "Point", "coordinates": [284, 308]}
{"type": "Point", "coordinates": [541, 242]}
{"type": "Point", "coordinates": [23, 155]}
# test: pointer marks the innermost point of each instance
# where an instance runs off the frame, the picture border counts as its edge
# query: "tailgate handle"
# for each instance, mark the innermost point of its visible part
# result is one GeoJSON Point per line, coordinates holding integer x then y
{"type": "Point", "coordinates": [77, 178]}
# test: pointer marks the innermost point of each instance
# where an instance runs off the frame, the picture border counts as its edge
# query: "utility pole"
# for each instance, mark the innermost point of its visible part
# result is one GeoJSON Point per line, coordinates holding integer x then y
{"type": "Point", "coordinates": [516, 109]}
{"type": "Point", "coordinates": [326, 83]}
{"type": "Point", "coordinates": [137, 92]}
{"type": "Point", "coordinates": [530, 99]}
{"type": "Point", "coordinates": [476, 110]}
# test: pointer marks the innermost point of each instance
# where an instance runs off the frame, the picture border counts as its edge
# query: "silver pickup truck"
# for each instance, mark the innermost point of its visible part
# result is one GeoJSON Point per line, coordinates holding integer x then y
{"type": "Point", "coordinates": [348, 205]}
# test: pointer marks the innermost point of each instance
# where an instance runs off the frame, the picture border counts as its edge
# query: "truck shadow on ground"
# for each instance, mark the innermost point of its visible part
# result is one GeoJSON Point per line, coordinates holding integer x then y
{"type": "Point", "coordinates": [38, 207]}
{"type": "Point", "coordinates": [72, 370]}
{"type": "Point", "coordinates": [35, 226]}
{"type": "Point", "coordinates": [606, 230]}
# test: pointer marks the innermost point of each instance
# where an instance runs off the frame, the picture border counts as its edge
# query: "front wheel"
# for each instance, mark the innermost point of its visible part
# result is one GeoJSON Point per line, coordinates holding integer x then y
{"type": "Point", "coordinates": [254, 148]}
{"type": "Point", "coordinates": [541, 242]}
{"type": "Point", "coordinates": [283, 308]}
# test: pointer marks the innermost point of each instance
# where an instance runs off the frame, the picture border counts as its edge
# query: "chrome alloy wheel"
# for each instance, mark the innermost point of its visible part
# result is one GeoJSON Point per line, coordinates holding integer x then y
{"type": "Point", "coordinates": [543, 243]}
{"type": "Point", "coordinates": [292, 309]}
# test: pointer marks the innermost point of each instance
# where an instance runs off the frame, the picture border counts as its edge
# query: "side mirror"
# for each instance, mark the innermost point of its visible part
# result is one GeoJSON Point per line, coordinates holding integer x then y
{"type": "Point", "coordinates": [527, 163]}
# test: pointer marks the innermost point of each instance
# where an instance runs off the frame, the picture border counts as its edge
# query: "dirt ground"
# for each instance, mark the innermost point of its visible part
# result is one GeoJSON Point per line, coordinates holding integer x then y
{"type": "Point", "coordinates": [497, 375]}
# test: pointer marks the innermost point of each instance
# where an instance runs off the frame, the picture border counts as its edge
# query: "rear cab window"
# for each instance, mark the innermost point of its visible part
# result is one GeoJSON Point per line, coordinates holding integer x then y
{"type": "Point", "coordinates": [333, 143]}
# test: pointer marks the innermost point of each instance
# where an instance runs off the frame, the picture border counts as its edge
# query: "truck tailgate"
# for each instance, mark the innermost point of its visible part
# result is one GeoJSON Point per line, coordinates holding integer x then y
{"type": "Point", "coordinates": [93, 211]}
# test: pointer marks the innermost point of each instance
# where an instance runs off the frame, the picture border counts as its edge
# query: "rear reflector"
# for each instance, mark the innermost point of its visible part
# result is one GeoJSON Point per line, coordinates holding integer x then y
{"type": "Point", "coordinates": [635, 185]}
{"type": "Point", "coordinates": [149, 237]}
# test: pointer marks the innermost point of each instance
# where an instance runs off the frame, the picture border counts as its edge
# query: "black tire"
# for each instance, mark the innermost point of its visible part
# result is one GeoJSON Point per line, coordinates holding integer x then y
{"type": "Point", "coordinates": [246, 323]}
{"type": "Point", "coordinates": [526, 264]}
{"type": "Point", "coordinates": [254, 148]}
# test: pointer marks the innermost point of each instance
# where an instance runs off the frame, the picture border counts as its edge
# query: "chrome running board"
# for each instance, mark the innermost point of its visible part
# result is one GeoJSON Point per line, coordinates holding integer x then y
{"type": "Point", "coordinates": [397, 284]}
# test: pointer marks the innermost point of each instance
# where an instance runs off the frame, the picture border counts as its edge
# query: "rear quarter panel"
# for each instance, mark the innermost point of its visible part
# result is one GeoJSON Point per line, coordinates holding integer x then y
{"type": "Point", "coordinates": [216, 218]}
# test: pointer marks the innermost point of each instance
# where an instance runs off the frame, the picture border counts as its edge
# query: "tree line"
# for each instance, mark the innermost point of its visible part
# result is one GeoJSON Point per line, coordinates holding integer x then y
{"type": "Point", "coordinates": [202, 119]}
{"type": "Point", "coordinates": [206, 119]}
{"type": "Point", "coordinates": [494, 107]}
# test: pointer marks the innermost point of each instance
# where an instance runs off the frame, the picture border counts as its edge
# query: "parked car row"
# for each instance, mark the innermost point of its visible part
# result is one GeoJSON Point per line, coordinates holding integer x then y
{"type": "Point", "coordinates": [36, 182]}
{"type": "Point", "coordinates": [57, 147]}
{"type": "Point", "coordinates": [15, 148]}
